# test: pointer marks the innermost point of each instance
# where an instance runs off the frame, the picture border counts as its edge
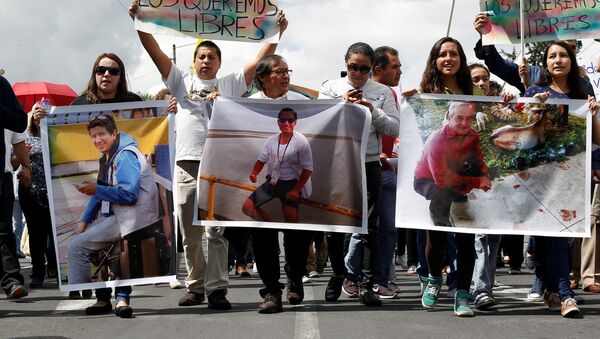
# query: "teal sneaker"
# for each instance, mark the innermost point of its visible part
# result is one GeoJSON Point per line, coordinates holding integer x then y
{"type": "Point", "coordinates": [461, 304]}
{"type": "Point", "coordinates": [432, 291]}
{"type": "Point", "coordinates": [423, 280]}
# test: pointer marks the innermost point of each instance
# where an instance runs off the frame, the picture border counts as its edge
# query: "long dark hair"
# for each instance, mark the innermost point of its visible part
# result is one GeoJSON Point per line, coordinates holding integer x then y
{"type": "Point", "coordinates": [573, 78]}
{"type": "Point", "coordinates": [432, 82]}
{"type": "Point", "coordinates": [92, 87]}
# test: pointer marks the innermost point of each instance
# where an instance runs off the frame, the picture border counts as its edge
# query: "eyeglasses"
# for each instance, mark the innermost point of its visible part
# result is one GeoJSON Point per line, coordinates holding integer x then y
{"type": "Point", "coordinates": [101, 70]}
{"type": "Point", "coordinates": [99, 117]}
{"type": "Point", "coordinates": [356, 68]}
{"type": "Point", "coordinates": [282, 72]}
{"type": "Point", "coordinates": [288, 120]}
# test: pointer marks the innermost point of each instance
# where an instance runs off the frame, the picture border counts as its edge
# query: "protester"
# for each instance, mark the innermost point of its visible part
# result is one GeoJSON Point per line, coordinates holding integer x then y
{"type": "Point", "coordinates": [357, 88]}
{"type": "Point", "coordinates": [560, 79]}
{"type": "Point", "coordinates": [288, 179]}
{"type": "Point", "coordinates": [14, 119]}
{"type": "Point", "coordinates": [446, 72]}
{"type": "Point", "coordinates": [486, 245]}
{"type": "Point", "coordinates": [34, 202]}
{"type": "Point", "coordinates": [108, 84]}
{"type": "Point", "coordinates": [192, 90]}
{"type": "Point", "coordinates": [507, 70]}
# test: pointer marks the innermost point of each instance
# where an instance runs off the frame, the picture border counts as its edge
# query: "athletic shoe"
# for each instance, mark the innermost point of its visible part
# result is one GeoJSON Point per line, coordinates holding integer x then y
{"type": "Point", "coordinates": [392, 286]}
{"type": "Point", "coordinates": [350, 288]}
{"type": "Point", "coordinates": [569, 309]}
{"type": "Point", "coordinates": [461, 304]}
{"type": "Point", "coordinates": [367, 297]}
{"type": "Point", "coordinates": [17, 291]}
{"type": "Point", "coordinates": [313, 274]}
{"type": "Point", "coordinates": [484, 301]}
{"type": "Point", "coordinates": [306, 279]}
{"type": "Point", "coordinates": [431, 292]}
{"type": "Point", "coordinates": [384, 292]}
{"type": "Point", "coordinates": [423, 280]}
{"type": "Point", "coordinates": [552, 301]}
{"type": "Point", "coordinates": [534, 296]}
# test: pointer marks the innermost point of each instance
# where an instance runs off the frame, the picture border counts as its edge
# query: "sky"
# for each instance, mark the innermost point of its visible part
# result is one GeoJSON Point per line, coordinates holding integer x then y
{"type": "Point", "coordinates": [58, 41]}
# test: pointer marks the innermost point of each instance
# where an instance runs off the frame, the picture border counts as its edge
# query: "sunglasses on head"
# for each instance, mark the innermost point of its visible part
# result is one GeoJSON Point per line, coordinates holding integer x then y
{"type": "Point", "coordinates": [288, 120]}
{"type": "Point", "coordinates": [101, 70]}
{"type": "Point", "coordinates": [99, 117]}
{"type": "Point", "coordinates": [356, 68]}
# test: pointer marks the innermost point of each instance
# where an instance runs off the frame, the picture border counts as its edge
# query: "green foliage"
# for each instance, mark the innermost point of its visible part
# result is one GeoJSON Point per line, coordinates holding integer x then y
{"type": "Point", "coordinates": [145, 96]}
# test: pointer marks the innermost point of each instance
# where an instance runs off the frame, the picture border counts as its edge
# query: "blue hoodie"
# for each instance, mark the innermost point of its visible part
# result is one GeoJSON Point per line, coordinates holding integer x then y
{"type": "Point", "coordinates": [126, 192]}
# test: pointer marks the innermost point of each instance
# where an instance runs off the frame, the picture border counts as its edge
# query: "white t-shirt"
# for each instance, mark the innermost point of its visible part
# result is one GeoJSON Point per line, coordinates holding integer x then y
{"type": "Point", "coordinates": [291, 159]}
{"type": "Point", "coordinates": [11, 138]}
{"type": "Point", "coordinates": [191, 121]}
{"type": "Point", "coordinates": [289, 95]}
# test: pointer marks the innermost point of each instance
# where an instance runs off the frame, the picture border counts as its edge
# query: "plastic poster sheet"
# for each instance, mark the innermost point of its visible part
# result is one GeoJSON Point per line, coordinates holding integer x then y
{"type": "Point", "coordinates": [544, 20]}
{"type": "Point", "coordinates": [70, 158]}
{"type": "Point", "coordinates": [249, 21]}
{"type": "Point", "coordinates": [538, 159]}
{"type": "Point", "coordinates": [337, 139]}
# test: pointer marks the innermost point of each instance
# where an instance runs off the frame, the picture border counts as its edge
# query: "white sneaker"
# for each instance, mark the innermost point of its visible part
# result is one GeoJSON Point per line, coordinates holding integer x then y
{"type": "Point", "coordinates": [305, 279]}
{"type": "Point", "coordinates": [313, 274]}
{"type": "Point", "coordinates": [534, 297]}
{"type": "Point", "coordinates": [176, 284]}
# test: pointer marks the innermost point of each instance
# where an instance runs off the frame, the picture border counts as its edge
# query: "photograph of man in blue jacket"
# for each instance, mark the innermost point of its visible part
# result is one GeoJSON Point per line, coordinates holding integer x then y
{"type": "Point", "coordinates": [123, 200]}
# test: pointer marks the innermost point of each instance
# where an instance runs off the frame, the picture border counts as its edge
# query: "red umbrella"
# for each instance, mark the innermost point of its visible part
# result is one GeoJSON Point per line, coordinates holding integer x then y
{"type": "Point", "coordinates": [28, 93]}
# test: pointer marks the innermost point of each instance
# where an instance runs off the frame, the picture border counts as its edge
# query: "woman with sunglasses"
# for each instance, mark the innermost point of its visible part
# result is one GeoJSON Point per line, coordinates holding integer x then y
{"type": "Point", "coordinates": [559, 78]}
{"type": "Point", "coordinates": [108, 84]}
{"type": "Point", "coordinates": [446, 72]}
{"type": "Point", "coordinates": [358, 88]}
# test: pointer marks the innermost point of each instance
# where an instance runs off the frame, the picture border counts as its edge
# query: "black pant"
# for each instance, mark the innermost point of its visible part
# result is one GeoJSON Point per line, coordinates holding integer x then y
{"type": "Point", "coordinates": [439, 210]}
{"type": "Point", "coordinates": [9, 267]}
{"type": "Point", "coordinates": [369, 241]}
{"type": "Point", "coordinates": [39, 226]}
{"type": "Point", "coordinates": [239, 245]}
{"type": "Point", "coordinates": [265, 243]}
{"type": "Point", "coordinates": [412, 252]}
{"type": "Point", "coordinates": [512, 245]}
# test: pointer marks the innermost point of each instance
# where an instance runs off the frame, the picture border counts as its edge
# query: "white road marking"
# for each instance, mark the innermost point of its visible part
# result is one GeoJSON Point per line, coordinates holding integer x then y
{"type": "Point", "coordinates": [307, 323]}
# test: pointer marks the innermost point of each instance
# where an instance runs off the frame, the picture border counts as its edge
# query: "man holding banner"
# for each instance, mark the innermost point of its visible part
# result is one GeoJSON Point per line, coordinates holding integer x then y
{"type": "Point", "coordinates": [192, 91]}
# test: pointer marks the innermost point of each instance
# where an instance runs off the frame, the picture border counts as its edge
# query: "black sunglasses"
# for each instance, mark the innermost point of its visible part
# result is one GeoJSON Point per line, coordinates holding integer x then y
{"type": "Point", "coordinates": [288, 120]}
{"type": "Point", "coordinates": [100, 70]}
{"type": "Point", "coordinates": [356, 68]}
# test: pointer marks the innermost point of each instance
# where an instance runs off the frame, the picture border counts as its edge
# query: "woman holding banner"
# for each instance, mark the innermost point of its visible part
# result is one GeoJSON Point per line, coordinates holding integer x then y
{"type": "Point", "coordinates": [559, 79]}
{"type": "Point", "coordinates": [446, 72]}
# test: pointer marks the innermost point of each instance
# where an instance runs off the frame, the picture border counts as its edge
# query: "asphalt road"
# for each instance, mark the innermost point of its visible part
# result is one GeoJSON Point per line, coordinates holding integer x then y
{"type": "Point", "coordinates": [48, 313]}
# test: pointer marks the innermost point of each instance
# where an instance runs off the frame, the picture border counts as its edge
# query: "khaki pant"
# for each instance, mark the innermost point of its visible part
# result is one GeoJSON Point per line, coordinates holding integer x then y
{"type": "Point", "coordinates": [204, 275]}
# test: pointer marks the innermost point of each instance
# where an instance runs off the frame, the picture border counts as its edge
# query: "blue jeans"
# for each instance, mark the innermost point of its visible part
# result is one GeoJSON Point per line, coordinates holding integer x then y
{"type": "Point", "coordinates": [486, 250]}
{"type": "Point", "coordinates": [553, 264]}
{"type": "Point", "coordinates": [423, 268]}
{"type": "Point", "coordinates": [388, 235]}
{"type": "Point", "coordinates": [121, 293]}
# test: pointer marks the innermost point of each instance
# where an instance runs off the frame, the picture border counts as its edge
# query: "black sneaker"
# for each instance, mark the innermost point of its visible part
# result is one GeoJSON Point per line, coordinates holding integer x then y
{"type": "Point", "coordinates": [217, 300]}
{"type": "Point", "coordinates": [17, 291]}
{"type": "Point", "coordinates": [191, 299]}
{"type": "Point", "coordinates": [86, 294]}
{"type": "Point", "coordinates": [271, 304]}
{"type": "Point", "coordinates": [368, 297]}
{"type": "Point", "coordinates": [295, 293]}
{"type": "Point", "coordinates": [334, 288]}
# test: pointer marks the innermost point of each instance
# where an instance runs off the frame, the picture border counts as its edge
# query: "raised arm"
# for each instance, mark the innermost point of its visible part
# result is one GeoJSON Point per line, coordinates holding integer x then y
{"type": "Point", "coordinates": [160, 59]}
{"type": "Point", "coordinates": [266, 50]}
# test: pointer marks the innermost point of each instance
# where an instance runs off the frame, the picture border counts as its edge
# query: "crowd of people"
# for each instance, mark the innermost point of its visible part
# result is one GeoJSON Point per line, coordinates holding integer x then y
{"type": "Point", "coordinates": [363, 265]}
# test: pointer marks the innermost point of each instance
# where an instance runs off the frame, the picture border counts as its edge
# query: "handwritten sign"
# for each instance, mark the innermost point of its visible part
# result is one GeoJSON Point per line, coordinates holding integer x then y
{"type": "Point", "coordinates": [545, 20]}
{"type": "Point", "coordinates": [239, 20]}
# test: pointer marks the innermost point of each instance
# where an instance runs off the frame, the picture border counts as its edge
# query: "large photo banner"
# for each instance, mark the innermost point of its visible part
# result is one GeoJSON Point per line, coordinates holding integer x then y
{"type": "Point", "coordinates": [285, 164]}
{"type": "Point", "coordinates": [484, 166]}
{"type": "Point", "coordinates": [543, 20]}
{"type": "Point", "coordinates": [110, 193]}
{"type": "Point", "coordinates": [249, 21]}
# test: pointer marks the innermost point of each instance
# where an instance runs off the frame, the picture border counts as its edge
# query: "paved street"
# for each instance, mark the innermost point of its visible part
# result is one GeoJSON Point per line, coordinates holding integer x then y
{"type": "Point", "coordinates": [48, 313]}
